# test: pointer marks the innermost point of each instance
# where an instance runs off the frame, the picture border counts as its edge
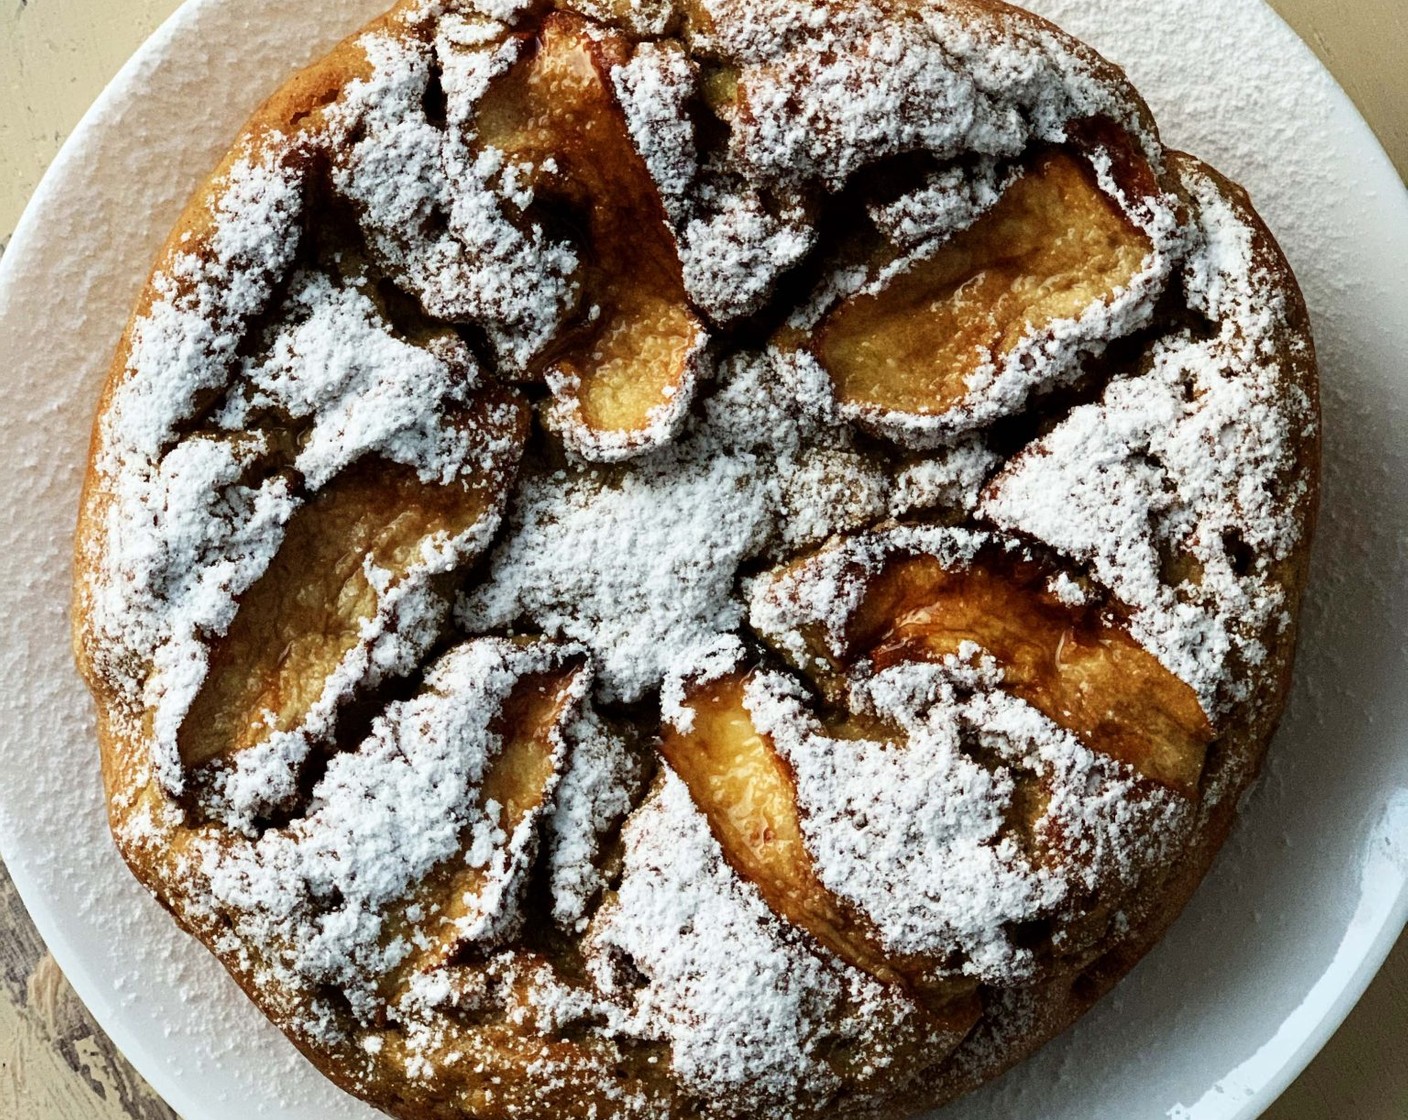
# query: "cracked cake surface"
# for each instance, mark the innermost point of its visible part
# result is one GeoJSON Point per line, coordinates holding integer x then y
{"type": "Point", "coordinates": [694, 558]}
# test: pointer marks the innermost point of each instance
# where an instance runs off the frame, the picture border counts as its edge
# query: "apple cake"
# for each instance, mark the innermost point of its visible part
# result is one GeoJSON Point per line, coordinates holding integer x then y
{"type": "Point", "coordinates": [694, 558]}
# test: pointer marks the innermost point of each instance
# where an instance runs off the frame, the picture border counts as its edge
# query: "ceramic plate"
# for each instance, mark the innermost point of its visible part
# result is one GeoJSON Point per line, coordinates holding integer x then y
{"type": "Point", "coordinates": [1305, 900]}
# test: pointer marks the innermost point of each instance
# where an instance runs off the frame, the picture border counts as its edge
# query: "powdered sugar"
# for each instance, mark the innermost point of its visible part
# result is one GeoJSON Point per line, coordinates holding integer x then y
{"type": "Point", "coordinates": [183, 536]}
{"type": "Point", "coordinates": [655, 89]}
{"type": "Point", "coordinates": [949, 200]}
{"type": "Point", "coordinates": [336, 365]}
{"type": "Point", "coordinates": [732, 245]}
{"type": "Point", "coordinates": [640, 569]}
{"type": "Point", "coordinates": [742, 1000]}
{"type": "Point", "coordinates": [736, 250]}
{"type": "Point", "coordinates": [596, 793]}
{"type": "Point", "coordinates": [439, 213]}
{"type": "Point", "coordinates": [186, 340]}
{"type": "Point", "coordinates": [927, 840]}
{"type": "Point", "coordinates": [316, 898]}
{"type": "Point", "coordinates": [951, 477]}
{"type": "Point", "coordinates": [640, 564]}
{"type": "Point", "coordinates": [823, 91]}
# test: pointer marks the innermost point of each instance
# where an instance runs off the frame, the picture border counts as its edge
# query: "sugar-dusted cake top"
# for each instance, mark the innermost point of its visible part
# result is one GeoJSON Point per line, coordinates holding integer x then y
{"type": "Point", "coordinates": [687, 559]}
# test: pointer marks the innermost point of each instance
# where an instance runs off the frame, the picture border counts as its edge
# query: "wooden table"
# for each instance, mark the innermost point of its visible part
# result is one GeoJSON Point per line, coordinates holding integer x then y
{"type": "Point", "coordinates": [55, 1064]}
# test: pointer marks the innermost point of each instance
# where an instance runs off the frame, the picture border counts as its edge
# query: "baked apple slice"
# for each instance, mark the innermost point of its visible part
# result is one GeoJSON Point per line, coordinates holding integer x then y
{"type": "Point", "coordinates": [897, 601]}
{"type": "Point", "coordinates": [374, 534]}
{"type": "Point", "coordinates": [961, 335]}
{"type": "Point", "coordinates": [1083, 673]}
{"type": "Point", "coordinates": [747, 791]}
{"type": "Point", "coordinates": [421, 836]}
{"type": "Point", "coordinates": [623, 376]}
{"type": "Point", "coordinates": [473, 901]}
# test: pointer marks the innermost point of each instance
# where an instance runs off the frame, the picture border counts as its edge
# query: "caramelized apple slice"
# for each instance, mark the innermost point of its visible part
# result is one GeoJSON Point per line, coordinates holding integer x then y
{"type": "Point", "coordinates": [297, 625]}
{"type": "Point", "coordinates": [623, 377]}
{"type": "Point", "coordinates": [1089, 677]}
{"type": "Point", "coordinates": [747, 792]}
{"type": "Point", "coordinates": [745, 789]}
{"type": "Point", "coordinates": [1080, 670]}
{"type": "Point", "coordinates": [467, 900]}
{"type": "Point", "coordinates": [1053, 246]}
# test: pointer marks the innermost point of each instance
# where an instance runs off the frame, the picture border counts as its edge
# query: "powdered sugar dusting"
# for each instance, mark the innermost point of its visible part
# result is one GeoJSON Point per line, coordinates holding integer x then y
{"type": "Point", "coordinates": [337, 365]}
{"type": "Point", "coordinates": [655, 88]}
{"type": "Point", "coordinates": [314, 900]}
{"type": "Point", "coordinates": [952, 477]}
{"type": "Point", "coordinates": [441, 214]}
{"type": "Point", "coordinates": [641, 564]}
{"type": "Point", "coordinates": [596, 793]}
{"type": "Point", "coordinates": [641, 572]}
{"type": "Point", "coordinates": [919, 834]}
{"type": "Point", "coordinates": [743, 1002]}
{"type": "Point", "coordinates": [186, 340]}
{"type": "Point", "coordinates": [823, 90]}
{"type": "Point", "coordinates": [183, 534]}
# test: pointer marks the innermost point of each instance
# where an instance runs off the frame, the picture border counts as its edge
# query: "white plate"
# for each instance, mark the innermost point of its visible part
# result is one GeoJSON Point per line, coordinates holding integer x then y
{"type": "Point", "coordinates": [1303, 904]}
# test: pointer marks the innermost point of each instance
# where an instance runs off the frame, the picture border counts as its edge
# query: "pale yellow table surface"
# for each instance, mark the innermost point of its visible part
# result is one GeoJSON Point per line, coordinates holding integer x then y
{"type": "Point", "coordinates": [55, 1064]}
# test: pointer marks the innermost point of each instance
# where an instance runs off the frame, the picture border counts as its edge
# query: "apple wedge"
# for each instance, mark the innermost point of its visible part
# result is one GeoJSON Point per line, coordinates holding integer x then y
{"type": "Point", "coordinates": [1077, 666]}
{"type": "Point", "coordinates": [962, 334]}
{"type": "Point", "coordinates": [746, 791]}
{"type": "Point", "coordinates": [623, 376]}
{"type": "Point", "coordinates": [298, 625]}
{"type": "Point", "coordinates": [469, 903]}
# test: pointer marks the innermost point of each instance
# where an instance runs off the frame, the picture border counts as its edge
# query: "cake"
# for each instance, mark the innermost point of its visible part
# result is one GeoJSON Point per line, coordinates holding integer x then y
{"type": "Point", "coordinates": [694, 558]}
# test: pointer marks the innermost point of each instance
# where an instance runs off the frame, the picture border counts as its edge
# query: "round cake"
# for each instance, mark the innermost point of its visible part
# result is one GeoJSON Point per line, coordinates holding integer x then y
{"type": "Point", "coordinates": [694, 558]}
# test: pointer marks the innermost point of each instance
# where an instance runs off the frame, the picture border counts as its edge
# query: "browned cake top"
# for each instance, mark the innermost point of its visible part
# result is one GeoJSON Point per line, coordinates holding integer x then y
{"type": "Point", "coordinates": [702, 558]}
